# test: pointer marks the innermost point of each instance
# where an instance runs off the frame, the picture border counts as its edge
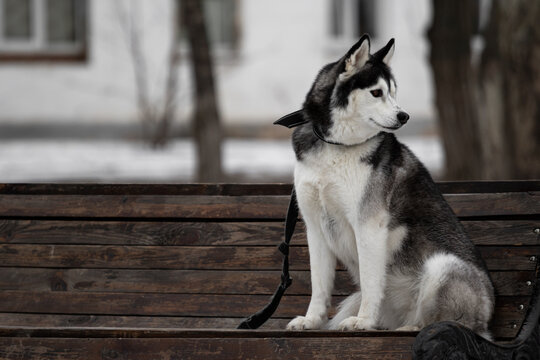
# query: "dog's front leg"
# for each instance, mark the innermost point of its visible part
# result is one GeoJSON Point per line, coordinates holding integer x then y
{"type": "Point", "coordinates": [323, 266]}
{"type": "Point", "coordinates": [371, 244]}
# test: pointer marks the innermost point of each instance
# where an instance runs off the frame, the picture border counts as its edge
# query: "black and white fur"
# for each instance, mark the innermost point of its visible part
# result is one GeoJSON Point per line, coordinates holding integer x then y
{"type": "Point", "coordinates": [368, 202]}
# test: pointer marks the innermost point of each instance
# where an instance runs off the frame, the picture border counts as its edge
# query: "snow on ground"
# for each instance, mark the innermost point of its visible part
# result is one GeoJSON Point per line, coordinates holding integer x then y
{"type": "Point", "coordinates": [116, 161]}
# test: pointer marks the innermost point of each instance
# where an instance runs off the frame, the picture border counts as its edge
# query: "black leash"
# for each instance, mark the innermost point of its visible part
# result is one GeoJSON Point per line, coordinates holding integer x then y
{"type": "Point", "coordinates": [261, 316]}
{"type": "Point", "coordinates": [256, 320]}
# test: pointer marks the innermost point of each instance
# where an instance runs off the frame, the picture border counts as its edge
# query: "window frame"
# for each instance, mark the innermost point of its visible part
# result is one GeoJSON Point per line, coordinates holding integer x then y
{"type": "Point", "coordinates": [38, 49]}
{"type": "Point", "coordinates": [222, 52]}
{"type": "Point", "coordinates": [350, 25]}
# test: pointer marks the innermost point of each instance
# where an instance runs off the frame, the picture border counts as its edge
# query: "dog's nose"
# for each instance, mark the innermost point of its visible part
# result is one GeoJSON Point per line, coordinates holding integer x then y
{"type": "Point", "coordinates": [402, 117]}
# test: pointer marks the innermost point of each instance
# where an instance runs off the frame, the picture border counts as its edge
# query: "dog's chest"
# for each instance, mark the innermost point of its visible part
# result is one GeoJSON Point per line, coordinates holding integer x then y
{"type": "Point", "coordinates": [334, 180]}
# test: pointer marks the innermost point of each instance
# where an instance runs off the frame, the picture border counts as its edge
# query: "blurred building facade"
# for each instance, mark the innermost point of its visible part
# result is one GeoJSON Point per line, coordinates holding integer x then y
{"type": "Point", "coordinates": [68, 62]}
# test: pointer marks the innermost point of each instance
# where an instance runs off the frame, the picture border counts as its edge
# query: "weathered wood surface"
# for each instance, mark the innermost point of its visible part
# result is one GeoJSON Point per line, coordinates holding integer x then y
{"type": "Point", "coordinates": [125, 321]}
{"type": "Point", "coordinates": [146, 233]}
{"type": "Point", "coordinates": [148, 304]}
{"type": "Point", "coordinates": [504, 326]}
{"type": "Point", "coordinates": [240, 189]}
{"type": "Point", "coordinates": [507, 283]}
{"type": "Point", "coordinates": [152, 304]}
{"type": "Point", "coordinates": [227, 207]}
{"type": "Point", "coordinates": [350, 346]}
{"type": "Point", "coordinates": [486, 232]}
{"type": "Point", "coordinates": [166, 257]}
{"type": "Point", "coordinates": [206, 257]}
{"type": "Point", "coordinates": [158, 189]}
{"type": "Point", "coordinates": [164, 333]}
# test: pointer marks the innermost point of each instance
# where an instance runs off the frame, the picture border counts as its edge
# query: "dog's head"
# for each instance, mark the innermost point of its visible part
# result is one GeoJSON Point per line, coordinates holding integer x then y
{"type": "Point", "coordinates": [354, 98]}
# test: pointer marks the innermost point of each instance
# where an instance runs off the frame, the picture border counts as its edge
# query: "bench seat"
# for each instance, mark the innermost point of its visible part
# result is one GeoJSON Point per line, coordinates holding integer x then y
{"type": "Point", "coordinates": [168, 271]}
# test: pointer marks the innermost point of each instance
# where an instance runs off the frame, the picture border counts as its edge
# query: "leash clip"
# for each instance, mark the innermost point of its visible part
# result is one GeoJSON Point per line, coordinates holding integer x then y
{"type": "Point", "coordinates": [286, 281]}
{"type": "Point", "coordinates": [284, 248]}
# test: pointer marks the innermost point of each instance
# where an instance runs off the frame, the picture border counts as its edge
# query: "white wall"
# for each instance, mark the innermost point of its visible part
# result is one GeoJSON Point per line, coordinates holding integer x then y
{"type": "Point", "coordinates": [283, 45]}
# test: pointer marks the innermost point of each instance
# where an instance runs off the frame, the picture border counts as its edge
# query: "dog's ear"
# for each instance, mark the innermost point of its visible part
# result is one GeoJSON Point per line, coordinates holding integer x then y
{"type": "Point", "coordinates": [292, 120]}
{"type": "Point", "coordinates": [386, 53]}
{"type": "Point", "coordinates": [358, 55]}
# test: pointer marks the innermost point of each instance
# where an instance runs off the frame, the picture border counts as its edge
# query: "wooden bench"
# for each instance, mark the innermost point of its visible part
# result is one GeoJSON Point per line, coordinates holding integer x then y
{"type": "Point", "coordinates": [169, 271]}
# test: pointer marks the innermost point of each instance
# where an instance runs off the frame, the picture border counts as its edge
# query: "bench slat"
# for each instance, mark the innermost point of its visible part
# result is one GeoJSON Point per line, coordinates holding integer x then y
{"type": "Point", "coordinates": [228, 207]}
{"type": "Point", "coordinates": [145, 206]}
{"type": "Point", "coordinates": [502, 326]}
{"type": "Point", "coordinates": [145, 233]}
{"type": "Point", "coordinates": [346, 347]}
{"type": "Point", "coordinates": [199, 189]}
{"type": "Point", "coordinates": [240, 189]}
{"type": "Point", "coordinates": [108, 321]}
{"type": "Point", "coordinates": [175, 304]}
{"type": "Point", "coordinates": [506, 283]}
{"type": "Point", "coordinates": [494, 232]}
{"type": "Point", "coordinates": [206, 257]}
{"type": "Point", "coordinates": [494, 204]}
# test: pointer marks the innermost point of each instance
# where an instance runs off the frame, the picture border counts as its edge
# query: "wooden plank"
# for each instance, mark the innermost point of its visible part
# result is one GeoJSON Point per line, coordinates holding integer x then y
{"type": "Point", "coordinates": [165, 333]}
{"type": "Point", "coordinates": [145, 206]}
{"type": "Point", "coordinates": [227, 207]}
{"type": "Point", "coordinates": [162, 281]}
{"type": "Point", "coordinates": [507, 283]}
{"type": "Point", "coordinates": [497, 204]}
{"type": "Point", "coordinates": [145, 304]}
{"type": "Point", "coordinates": [513, 232]}
{"type": "Point", "coordinates": [108, 321]}
{"type": "Point", "coordinates": [513, 283]}
{"type": "Point", "coordinates": [450, 187]}
{"type": "Point", "coordinates": [240, 189]}
{"type": "Point", "coordinates": [147, 189]}
{"type": "Point", "coordinates": [354, 347]}
{"type": "Point", "coordinates": [510, 258]}
{"type": "Point", "coordinates": [150, 257]}
{"type": "Point", "coordinates": [145, 233]}
{"type": "Point", "coordinates": [206, 257]}
{"type": "Point", "coordinates": [509, 315]}
{"type": "Point", "coordinates": [505, 325]}
{"type": "Point", "coordinates": [150, 304]}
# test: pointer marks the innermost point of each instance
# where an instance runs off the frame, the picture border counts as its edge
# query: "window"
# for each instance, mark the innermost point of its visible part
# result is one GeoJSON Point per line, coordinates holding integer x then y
{"type": "Point", "coordinates": [352, 18]}
{"type": "Point", "coordinates": [221, 25]}
{"type": "Point", "coordinates": [42, 29]}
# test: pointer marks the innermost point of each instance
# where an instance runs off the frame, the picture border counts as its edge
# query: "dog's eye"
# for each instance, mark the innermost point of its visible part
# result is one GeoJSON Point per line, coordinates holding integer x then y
{"type": "Point", "coordinates": [376, 93]}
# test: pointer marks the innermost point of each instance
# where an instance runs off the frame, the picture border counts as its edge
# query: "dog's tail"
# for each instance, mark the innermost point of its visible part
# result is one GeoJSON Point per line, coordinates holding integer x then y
{"type": "Point", "coordinates": [349, 307]}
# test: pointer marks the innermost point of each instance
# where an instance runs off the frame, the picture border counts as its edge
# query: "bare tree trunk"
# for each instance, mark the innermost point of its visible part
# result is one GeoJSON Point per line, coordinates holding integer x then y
{"type": "Point", "coordinates": [490, 123]}
{"type": "Point", "coordinates": [207, 130]}
{"type": "Point", "coordinates": [156, 118]}
{"type": "Point", "coordinates": [454, 24]}
{"type": "Point", "coordinates": [495, 148]}
{"type": "Point", "coordinates": [511, 89]}
{"type": "Point", "coordinates": [164, 122]}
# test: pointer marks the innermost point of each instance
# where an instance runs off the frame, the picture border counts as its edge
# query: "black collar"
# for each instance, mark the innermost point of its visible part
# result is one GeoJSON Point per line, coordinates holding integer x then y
{"type": "Point", "coordinates": [319, 135]}
{"type": "Point", "coordinates": [297, 118]}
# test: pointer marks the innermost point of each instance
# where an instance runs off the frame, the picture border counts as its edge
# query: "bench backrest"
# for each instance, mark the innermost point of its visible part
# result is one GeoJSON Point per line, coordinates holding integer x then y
{"type": "Point", "coordinates": [204, 256]}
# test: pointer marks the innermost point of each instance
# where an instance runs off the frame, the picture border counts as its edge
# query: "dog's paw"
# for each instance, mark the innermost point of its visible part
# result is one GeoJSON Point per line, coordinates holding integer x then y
{"type": "Point", "coordinates": [356, 323]}
{"type": "Point", "coordinates": [305, 323]}
{"type": "Point", "coordinates": [408, 328]}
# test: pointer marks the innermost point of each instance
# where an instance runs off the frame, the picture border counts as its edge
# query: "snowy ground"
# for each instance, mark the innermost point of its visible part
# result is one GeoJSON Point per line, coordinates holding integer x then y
{"type": "Point", "coordinates": [117, 161]}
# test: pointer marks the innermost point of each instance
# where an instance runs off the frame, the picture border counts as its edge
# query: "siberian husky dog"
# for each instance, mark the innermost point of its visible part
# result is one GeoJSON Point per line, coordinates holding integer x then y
{"type": "Point", "coordinates": [368, 202]}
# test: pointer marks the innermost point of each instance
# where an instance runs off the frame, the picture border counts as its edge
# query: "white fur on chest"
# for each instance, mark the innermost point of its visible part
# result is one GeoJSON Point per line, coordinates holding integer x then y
{"type": "Point", "coordinates": [335, 179]}
{"type": "Point", "coordinates": [330, 185]}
